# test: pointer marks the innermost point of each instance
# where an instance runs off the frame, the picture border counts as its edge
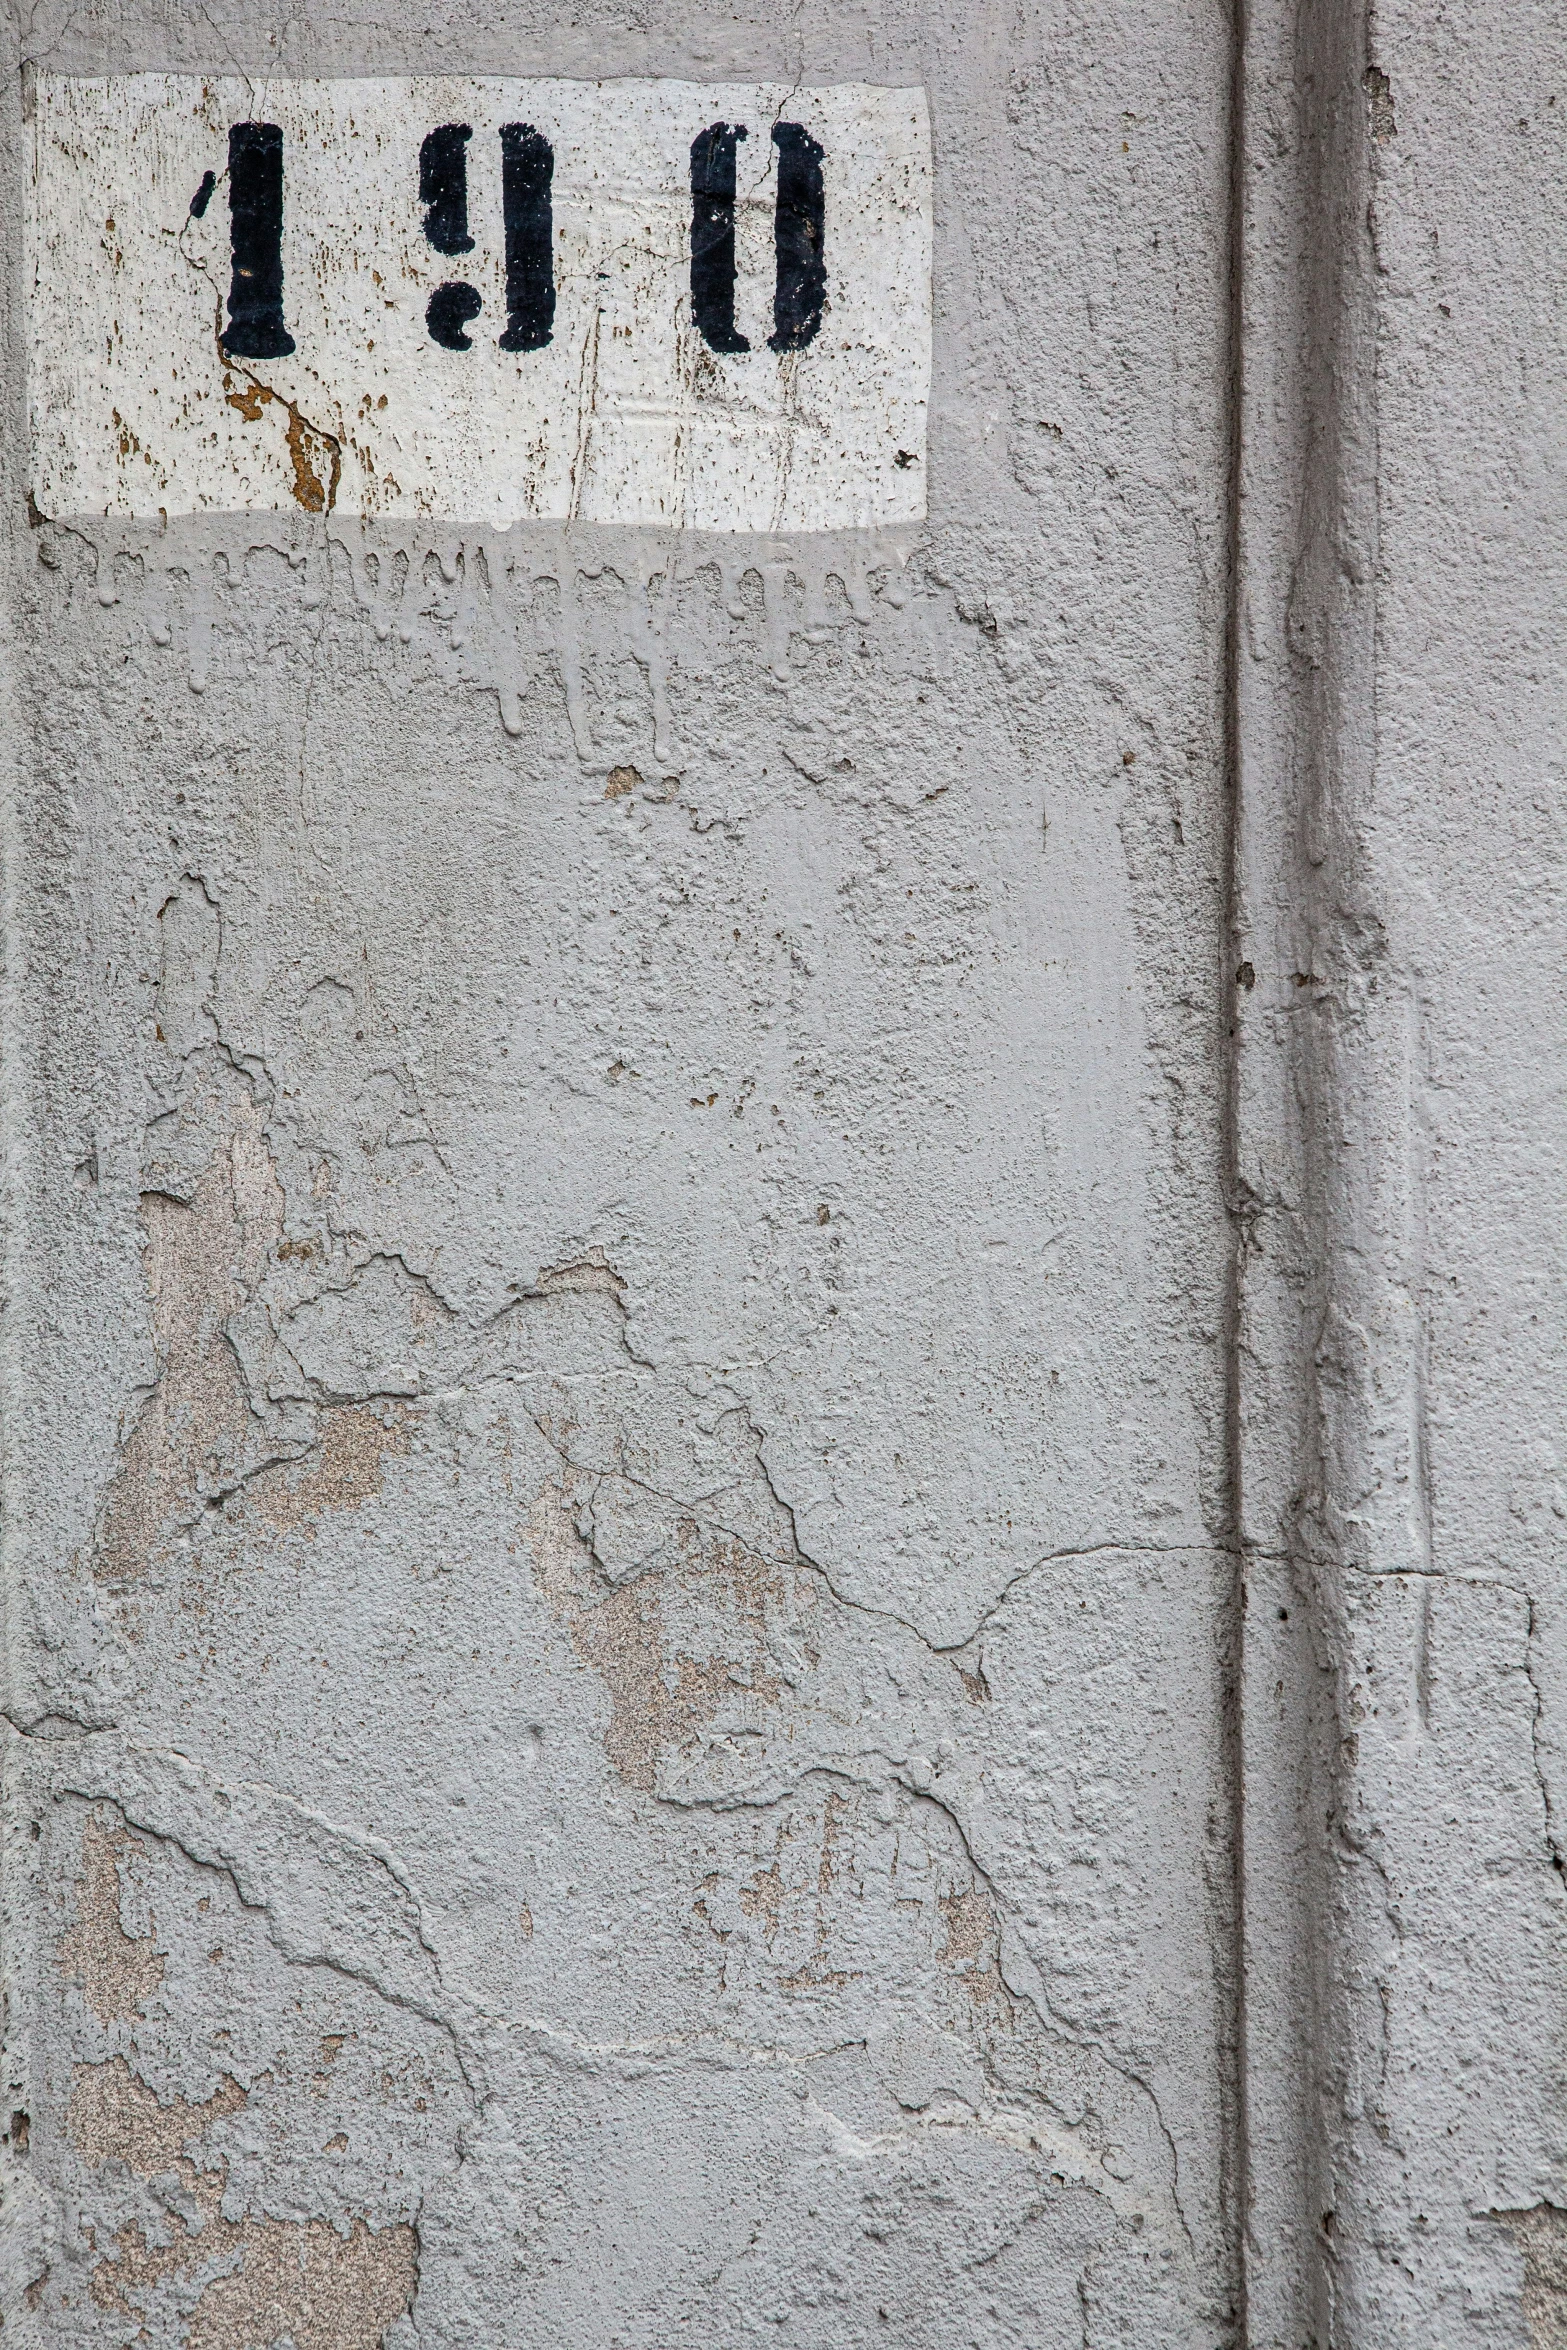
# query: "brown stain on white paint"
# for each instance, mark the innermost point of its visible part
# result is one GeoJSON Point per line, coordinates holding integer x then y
{"type": "Point", "coordinates": [315, 455]}
{"type": "Point", "coordinates": [117, 1971]}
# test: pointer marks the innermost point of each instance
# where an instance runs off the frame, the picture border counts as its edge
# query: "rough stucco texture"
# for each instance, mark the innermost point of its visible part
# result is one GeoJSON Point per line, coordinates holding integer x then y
{"type": "Point", "coordinates": [616, 1563]}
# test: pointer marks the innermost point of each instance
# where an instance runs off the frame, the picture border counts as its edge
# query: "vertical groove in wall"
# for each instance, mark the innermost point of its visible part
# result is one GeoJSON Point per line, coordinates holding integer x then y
{"type": "Point", "coordinates": [1347, 1526]}
{"type": "Point", "coordinates": [15, 1126]}
{"type": "Point", "coordinates": [1316, 1129]}
{"type": "Point", "coordinates": [1236, 2151]}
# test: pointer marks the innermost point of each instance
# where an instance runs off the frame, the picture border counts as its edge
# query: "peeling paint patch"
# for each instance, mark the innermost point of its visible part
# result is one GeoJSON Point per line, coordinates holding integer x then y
{"type": "Point", "coordinates": [117, 1971]}
{"type": "Point", "coordinates": [973, 1941]}
{"type": "Point", "coordinates": [589, 1275]}
{"type": "Point", "coordinates": [344, 1469]}
{"type": "Point", "coordinates": [208, 1436]}
{"type": "Point", "coordinates": [114, 2117]}
{"type": "Point", "coordinates": [646, 1640]}
{"type": "Point", "coordinates": [307, 2282]}
{"type": "Point", "coordinates": [1542, 2232]}
{"type": "Point", "coordinates": [204, 1256]}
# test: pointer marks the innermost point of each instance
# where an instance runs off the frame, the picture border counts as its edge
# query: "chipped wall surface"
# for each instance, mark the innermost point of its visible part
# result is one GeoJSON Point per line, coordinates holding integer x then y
{"type": "Point", "coordinates": [619, 1562]}
{"type": "Point", "coordinates": [752, 1587]}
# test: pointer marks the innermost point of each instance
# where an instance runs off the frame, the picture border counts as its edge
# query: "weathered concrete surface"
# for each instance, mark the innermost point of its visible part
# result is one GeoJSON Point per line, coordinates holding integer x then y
{"type": "Point", "coordinates": [781, 1385]}
{"type": "Point", "coordinates": [620, 1570]}
{"type": "Point", "coordinates": [1399, 886]}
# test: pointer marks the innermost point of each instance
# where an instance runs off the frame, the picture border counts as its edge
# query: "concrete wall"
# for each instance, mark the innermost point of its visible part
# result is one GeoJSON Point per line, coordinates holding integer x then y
{"type": "Point", "coordinates": [779, 1459]}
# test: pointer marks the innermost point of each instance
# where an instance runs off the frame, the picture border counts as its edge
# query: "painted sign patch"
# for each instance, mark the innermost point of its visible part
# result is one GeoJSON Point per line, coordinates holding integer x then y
{"type": "Point", "coordinates": [705, 307]}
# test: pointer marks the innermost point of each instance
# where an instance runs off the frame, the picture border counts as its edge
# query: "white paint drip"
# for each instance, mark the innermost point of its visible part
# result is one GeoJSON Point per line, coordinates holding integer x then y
{"type": "Point", "coordinates": [497, 613]}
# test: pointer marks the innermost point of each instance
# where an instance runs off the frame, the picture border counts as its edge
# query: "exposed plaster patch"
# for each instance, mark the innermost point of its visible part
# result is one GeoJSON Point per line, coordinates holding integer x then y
{"type": "Point", "coordinates": [344, 1469]}
{"type": "Point", "coordinates": [114, 2117]}
{"type": "Point", "coordinates": [203, 1259]}
{"type": "Point", "coordinates": [661, 1694]}
{"type": "Point", "coordinates": [1379, 93]}
{"type": "Point", "coordinates": [762, 1897]}
{"type": "Point", "coordinates": [117, 1971]}
{"type": "Point", "coordinates": [309, 2284]}
{"type": "Point", "coordinates": [207, 1433]}
{"type": "Point", "coordinates": [973, 1941]}
{"type": "Point", "coordinates": [306, 2282]}
{"type": "Point", "coordinates": [330, 1898]}
{"type": "Point", "coordinates": [1542, 2232]}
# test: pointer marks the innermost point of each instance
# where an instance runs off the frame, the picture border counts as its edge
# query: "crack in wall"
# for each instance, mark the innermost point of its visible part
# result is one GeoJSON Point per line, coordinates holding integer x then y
{"type": "Point", "coordinates": [682, 1588]}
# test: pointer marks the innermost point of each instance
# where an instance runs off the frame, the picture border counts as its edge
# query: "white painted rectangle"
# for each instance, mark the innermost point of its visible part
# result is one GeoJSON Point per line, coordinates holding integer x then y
{"type": "Point", "coordinates": [626, 416]}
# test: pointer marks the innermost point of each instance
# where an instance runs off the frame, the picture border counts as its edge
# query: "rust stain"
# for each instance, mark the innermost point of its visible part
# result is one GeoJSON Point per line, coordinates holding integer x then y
{"type": "Point", "coordinates": [312, 451]}
{"type": "Point", "coordinates": [117, 1971]}
{"type": "Point", "coordinates": [307, 443]}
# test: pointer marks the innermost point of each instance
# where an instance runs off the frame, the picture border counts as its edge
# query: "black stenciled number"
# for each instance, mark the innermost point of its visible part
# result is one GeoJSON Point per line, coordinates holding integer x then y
{"type": "Point", "coordinates": [443, 191]}
{"type": "Point", "coordinates": [443, 187]}
{"type": "Point", "coordinates": [255, 329]}
{"type": "Point", "coordinates": [798, 224]}
{"type": "Point", "coordinates": [450, 309]}
{"type": "Point", "coordinates": [713, 235]}
{"type": "Point", "coordinates": [527, 171]}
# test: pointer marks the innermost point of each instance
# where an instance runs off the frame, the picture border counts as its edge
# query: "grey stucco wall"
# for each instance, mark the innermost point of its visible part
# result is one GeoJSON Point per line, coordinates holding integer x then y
{"type": "Point", "coordinates": [779, 1425]}
{"type": "Point", "coordinates": [1398, 1119]}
